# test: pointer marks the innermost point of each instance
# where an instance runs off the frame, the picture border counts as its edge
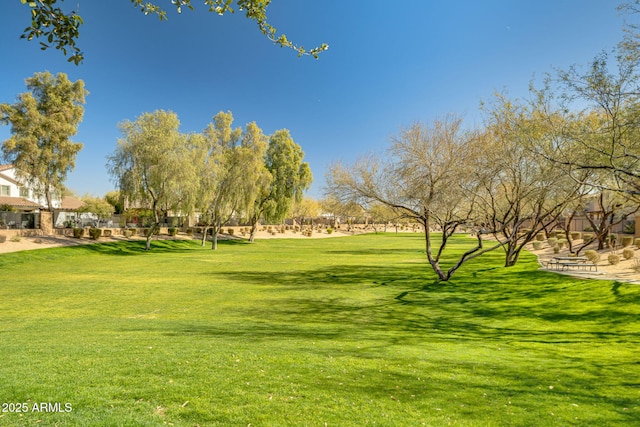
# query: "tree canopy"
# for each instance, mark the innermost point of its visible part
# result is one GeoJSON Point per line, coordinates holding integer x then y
{"type": "Point", "coordinates": [425, 176]}
{"type": "Point", "coordinates": [42, 122]}
{"type": "Point", "coordinates": [151, 165]}
{"type": "Point", "coordinates": [61, 29]}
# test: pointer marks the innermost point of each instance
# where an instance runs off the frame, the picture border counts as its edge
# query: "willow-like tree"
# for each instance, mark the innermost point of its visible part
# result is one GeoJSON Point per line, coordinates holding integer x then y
{"type": "Point", "coordinates": [43, 121]}
{"type": "Point", "coordinates": [152, 166]}
{"type": "Point", "coordinates": [290, 177]}
{"type": "Point", "coordinates": [231, 173]}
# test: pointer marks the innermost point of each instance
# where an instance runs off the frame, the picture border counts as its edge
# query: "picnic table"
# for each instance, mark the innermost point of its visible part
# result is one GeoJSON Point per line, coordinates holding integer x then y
{"type": "Point", "coordinates": [567, 262]}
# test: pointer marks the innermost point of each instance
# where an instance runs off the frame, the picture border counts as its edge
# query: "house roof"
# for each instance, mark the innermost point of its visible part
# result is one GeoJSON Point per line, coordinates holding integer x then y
{"type": "Point", "coordinates": [5, 167]}
{"type": "Point", "coordinates": [70, 203]}
{"type": "Point", "coordinates": [9, 179]}
{"type": "Point", "coordinates": [19, 202]}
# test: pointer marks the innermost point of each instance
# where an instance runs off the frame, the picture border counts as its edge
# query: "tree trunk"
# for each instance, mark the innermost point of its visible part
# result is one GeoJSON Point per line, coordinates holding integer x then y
{"type": "Point", "coordinates": [252, 233]}
{"type": "Point", "coordinates": [204, 235]}
{"type": "Point", "coordinates": [435, 263]}
{"type": "Point", "coordinates": [214, 239]}
{"type": "Point", "coordinates": [150, 233]}
{"type": "Point", "coordinates": [512, 254]}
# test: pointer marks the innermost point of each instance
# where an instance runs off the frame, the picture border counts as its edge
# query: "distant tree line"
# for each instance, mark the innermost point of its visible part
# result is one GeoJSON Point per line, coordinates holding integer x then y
{"type": "Point", "coordinates": [222, 172]}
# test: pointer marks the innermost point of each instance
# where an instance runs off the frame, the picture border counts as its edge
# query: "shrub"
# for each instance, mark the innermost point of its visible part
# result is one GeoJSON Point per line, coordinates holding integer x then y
{"type": "Point", "coordinates": [592, 256]}
{"type": "Point", "coordinates": [630, 227]}
{"type": "Point", "coordinates": [189, 231]}
{"type": "Point", "coordinates": [637, 242]}
{"type": "Point", "coordinates": [537, 246]}
{"type": "Point", "coordinates": [37, 240]}
{"type": "Point", "coordinates": [627, 241]}
{"type": "Point", "coordinates": [3, 239]}
{"type": "Point", "coordinates": [540, 237]}
{"type": "Point", "coordinates": [587, 237]}
{"type": "Point", "coordinates": [78, 232]}
{"type": "Point", "coordinates": [106, 233]}
{"type": "Point", "coordinates": [552, 241]}
{"type": "Point", "coordinates": [16, 238]}
{"type": "Point", "coordinates": [576, 235]}
{"type": "Point", "coordinates": [628, 253]}
{"type": "Point", "coordinates": [556, 249]}
{"type": "Point", "coordinates": [95, 233]}
{"type": "Point", "coordinates": [127, 233]}
{"type": "Point", "coordinates": [230, 231]}
{"type": "Point", "coordinates": [329, 230]}
{"type": "Point", "coordinates": [172, 231]}
{"type": "Point", "coordinates": [613, 259]}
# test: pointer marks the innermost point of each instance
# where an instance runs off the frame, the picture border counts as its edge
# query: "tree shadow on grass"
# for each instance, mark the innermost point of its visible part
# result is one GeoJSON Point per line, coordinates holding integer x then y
{"type": "Point", "coordinates": [335, 276]}
{"type": "Point", "coordinates": [378, 251]}
{"type": "Point", "coordinates": [529, 306]}
{"type": "Point", "coordinates": [136, 247]}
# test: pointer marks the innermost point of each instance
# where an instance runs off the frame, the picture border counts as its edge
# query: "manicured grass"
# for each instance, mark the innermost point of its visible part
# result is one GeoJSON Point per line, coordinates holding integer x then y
{"type": "Point", "coordinates": [338, 332]}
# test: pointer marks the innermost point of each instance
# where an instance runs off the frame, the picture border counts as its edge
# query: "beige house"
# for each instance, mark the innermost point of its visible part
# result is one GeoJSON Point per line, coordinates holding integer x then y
{"type": "Point", "coordinates": [21, 206]}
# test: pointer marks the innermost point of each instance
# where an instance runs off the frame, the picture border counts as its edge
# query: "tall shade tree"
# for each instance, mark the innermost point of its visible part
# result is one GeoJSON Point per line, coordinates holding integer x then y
{"type": "Point", "coordinates": [599, 131]}
{"type": "Point", "coordinates": [151, 166]}
{"type": "Point", "coordinates": [519, 192]}
{"type": "Point", "coordinates": [232, 173]}
{"type": "Point", "coordinates": [256, 179]}
{"type": "Point", "coordinates": [42, 124]}
{"type": "Point", "coordinates": [423, 177]}
{"type": "Point", "coordinates": [61, 29]}
{"type": "Point", "coordinates": [290, 177]}
{"type": "Point", "coordinates": [218, 175]}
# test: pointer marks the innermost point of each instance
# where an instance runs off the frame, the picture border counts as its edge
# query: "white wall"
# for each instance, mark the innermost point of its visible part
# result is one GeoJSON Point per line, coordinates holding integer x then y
{"type": "Point", "coordinates": [15, 190]}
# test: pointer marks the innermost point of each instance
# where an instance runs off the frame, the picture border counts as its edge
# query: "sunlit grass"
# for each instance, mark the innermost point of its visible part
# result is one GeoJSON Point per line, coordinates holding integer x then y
{"type": "Point", "coordinates": [345, 331]}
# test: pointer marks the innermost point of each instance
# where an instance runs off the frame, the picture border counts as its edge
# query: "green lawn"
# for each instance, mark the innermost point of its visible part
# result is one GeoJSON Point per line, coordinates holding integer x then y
{"type": "Point", "coordinates": [338, 332]}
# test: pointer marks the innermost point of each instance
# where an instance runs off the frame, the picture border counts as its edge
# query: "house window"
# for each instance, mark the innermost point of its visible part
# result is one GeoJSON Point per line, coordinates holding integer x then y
{"type": "Point", "coordinates": [24, 192]}
{"type": "Point", "coordinates": [5, 190]}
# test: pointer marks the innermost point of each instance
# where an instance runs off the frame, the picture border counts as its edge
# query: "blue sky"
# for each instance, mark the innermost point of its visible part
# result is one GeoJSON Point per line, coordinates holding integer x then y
{"type": "Point", "coordinates": [389, 65]}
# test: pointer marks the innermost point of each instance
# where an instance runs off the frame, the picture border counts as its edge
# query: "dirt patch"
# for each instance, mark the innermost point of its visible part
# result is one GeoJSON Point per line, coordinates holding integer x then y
{"type": "Point", "coordinates": [15, 244]}
{"type": "Point", "coordinates": [622, 272]}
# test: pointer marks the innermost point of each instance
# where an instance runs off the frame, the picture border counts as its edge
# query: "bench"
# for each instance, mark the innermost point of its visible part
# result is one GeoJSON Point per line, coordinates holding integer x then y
{"type": "Point", "coordinates": [578, 265]}
{"type": "Point", "coordinates": [566, 263]}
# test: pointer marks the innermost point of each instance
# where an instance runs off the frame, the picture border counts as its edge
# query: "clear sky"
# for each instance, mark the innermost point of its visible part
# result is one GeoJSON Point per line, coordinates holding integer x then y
{"type": "Point", "coordinates": [390, 64]}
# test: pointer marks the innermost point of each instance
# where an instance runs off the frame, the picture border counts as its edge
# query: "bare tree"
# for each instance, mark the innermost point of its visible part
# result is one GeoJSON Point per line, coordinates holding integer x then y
{"type": "Point", "coordinates": [520, 192]}
{"type": "Point", "coordinates": [424, 178]}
